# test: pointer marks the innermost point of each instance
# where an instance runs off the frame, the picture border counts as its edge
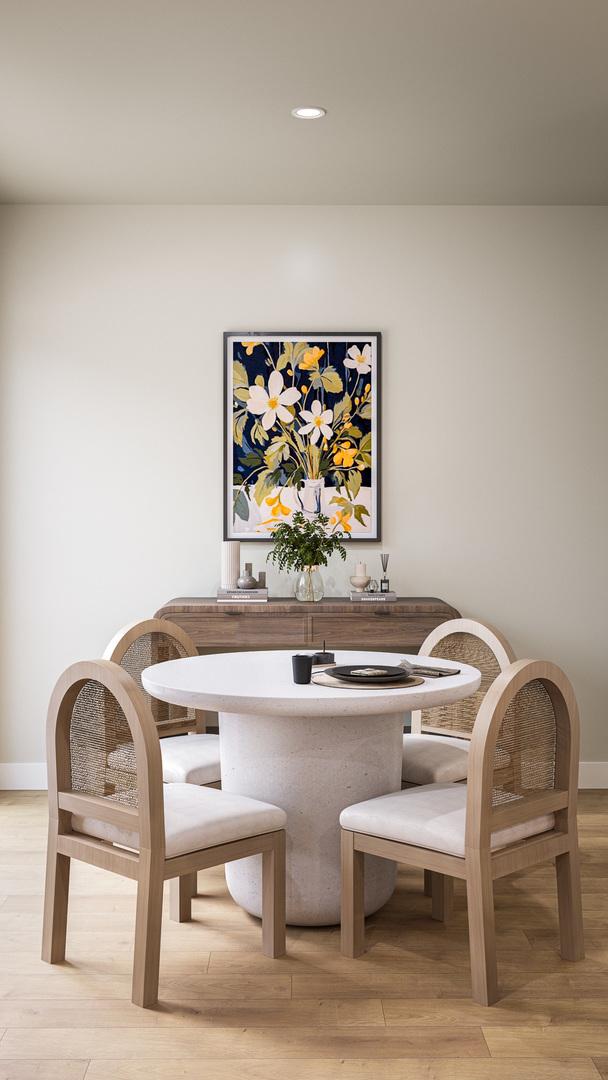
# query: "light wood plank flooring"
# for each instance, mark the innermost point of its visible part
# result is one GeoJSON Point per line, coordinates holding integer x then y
{"type": "Point", "coordinates": [401, 1012]}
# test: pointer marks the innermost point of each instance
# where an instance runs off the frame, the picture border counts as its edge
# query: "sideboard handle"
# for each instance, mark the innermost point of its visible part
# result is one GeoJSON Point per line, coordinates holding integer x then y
{"type": "Point", "coordinates": [382, 612]}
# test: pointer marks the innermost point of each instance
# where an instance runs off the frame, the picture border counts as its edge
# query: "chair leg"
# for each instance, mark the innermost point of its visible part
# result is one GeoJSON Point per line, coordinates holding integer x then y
{"type": "Point", "coordinates": [55, 903]}
{"type": "Point", "coordinates": [428, 882]}
{"type": "Point", "coordinates": [352, 931]}
{"type": "Point", "coordinates": [482, 937]}
{"type": "Point", "coordinates": [148, 919]}
{"type": "Point", "coordinates": [567, 869]}
{"type": "Point", "coordinates": [273, 898]}
{"type": "Point", "coordinates": [180, 898]}
{"type": "Point", "coordinates": [442, 897]}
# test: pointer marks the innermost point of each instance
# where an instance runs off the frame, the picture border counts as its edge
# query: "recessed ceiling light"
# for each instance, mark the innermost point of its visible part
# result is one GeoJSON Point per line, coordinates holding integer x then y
{"type": "Point", "coordinates": [308, 112]}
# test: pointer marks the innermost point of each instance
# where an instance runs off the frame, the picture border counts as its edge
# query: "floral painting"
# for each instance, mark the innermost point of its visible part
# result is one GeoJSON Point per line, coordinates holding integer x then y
{"type": "Point", "coordinates": [302, 432]}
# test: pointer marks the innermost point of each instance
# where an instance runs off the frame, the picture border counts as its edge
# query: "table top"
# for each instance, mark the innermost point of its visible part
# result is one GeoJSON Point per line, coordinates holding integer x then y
{"type": "Point", "coordinates": [253, 683]}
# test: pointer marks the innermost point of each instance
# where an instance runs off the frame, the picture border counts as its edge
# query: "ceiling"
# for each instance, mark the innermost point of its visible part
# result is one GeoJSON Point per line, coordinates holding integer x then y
{"type": "Point", "coordinates": [429, 101]}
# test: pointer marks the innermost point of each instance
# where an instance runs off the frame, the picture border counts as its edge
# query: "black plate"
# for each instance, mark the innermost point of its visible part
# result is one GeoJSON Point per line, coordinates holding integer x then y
{"type": "Point", "coordinates": [370, 673]}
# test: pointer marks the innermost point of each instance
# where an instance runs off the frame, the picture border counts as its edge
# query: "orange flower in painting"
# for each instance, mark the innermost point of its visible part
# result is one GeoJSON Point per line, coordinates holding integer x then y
{"type": "Point", "coordinates": [341, 519]}
{"type": "Point", "coordinates": [249, 346]}
{"type": "Point", "coordinates": [345, 454]}
{"type": "Point", "coordinates": [311, 358]}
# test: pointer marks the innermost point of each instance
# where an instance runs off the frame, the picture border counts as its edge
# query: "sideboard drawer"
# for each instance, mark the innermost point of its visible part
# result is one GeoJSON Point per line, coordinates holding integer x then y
{"type": "Point", "coordinates": [373, 628]}
{"type": "Point", "coordinates": [227, 628]}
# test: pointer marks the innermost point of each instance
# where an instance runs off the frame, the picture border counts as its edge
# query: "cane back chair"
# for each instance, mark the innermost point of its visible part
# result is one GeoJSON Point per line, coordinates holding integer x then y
{"type": "Point", "coordinates": [195, 760]}
{"type": "Point", "coordinates": [517, 809]}
{"type": "Point", "coordinates": [118, 815]}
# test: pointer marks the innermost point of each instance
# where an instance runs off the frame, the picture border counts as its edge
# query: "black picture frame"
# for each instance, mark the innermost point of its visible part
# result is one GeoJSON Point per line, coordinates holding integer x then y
{"type": "Point", "coordinates": [310, 336]}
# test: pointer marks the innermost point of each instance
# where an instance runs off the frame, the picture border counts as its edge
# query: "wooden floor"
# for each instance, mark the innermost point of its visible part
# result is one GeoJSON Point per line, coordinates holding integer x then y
{"type": "Point", "coordinates": [401, 1012]}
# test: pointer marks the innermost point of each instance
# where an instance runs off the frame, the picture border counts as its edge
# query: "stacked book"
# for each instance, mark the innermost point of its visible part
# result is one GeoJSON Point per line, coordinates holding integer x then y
{"type": "Point", "coordinates": [242, 596]}
{"type": "Point", "coordinates": [373, 597]}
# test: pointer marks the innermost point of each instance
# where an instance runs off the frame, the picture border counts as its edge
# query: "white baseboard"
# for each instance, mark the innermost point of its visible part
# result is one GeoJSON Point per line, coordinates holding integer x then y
{"type": "Point", "coordinates": [23, 776]}
{"type": "Point", "coordinates": [31, 775]}
{"type": "Point", "coordinates": [593, 774]}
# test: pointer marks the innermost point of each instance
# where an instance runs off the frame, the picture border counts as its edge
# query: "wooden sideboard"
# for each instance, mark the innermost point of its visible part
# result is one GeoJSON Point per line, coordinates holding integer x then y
{"type": "Point", "coordinates": [397, 626]}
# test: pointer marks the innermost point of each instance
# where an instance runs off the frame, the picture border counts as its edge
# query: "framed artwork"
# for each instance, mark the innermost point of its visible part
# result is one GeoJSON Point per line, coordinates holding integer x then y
{"type": "Point", "coordinates": [301, 431]}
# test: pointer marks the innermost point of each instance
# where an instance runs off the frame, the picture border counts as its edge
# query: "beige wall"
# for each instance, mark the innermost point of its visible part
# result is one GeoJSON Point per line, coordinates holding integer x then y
{"type": "Point", "coordinates": [495, 447]}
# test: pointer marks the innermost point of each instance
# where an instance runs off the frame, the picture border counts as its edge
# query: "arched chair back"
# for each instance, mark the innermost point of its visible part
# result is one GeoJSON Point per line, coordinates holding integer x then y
{"type": "Point", "coordinates": [152, 641]}
{"type": "Point", "coordinates": [96, 706]}
{"type": "Point", "coordinates": [524, 754]}
{"type": "Point", "coordinates": [470, 642]}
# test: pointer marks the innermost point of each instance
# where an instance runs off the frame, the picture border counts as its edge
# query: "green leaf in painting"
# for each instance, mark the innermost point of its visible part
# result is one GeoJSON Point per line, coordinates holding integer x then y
{"type": "Point", "coordinates": [345, 405]}
{"type": "Point", "coordinates": [365, 412]}
{"type": "Point", "coordinates": [238, 428]}
{"type": "Point", "coordinates": [259, 380]}
{"type": "Point", "coordinates": [353, 483]}
{"type": "Point", "coordinates": [264, 485]}
{"type": "Point", "coordinates": [239, 374]}
{"type": "Point", "coordinates": [241, 507]}
{"type": "Point", "coordinates": [252, 460]}
{"type": "Point", "coordinates": [366, 443]}
{"type": "Point", "coordinates": [299, 349]}
{"type": "Point", "coordinates": [332, 381]}
{"type": "Point", "coordinates": [278, 451]}
{"type": "Point", "coordinates": [316, 379]}
{"type": "Point", "coordinates": [258, 434]}
{"type": "Point", "coordinates": [360, 511]}
{"type": "Point", "coordinates": [354, 433]}
{"type": "Point", "coordinates": [286, 355]}
{"type": "Point", "coordinates": [242, 393]}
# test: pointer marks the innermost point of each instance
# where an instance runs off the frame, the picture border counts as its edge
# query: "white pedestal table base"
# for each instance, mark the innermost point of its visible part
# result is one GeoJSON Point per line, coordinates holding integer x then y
{"type": "Point", "coordinates": [312, 767]}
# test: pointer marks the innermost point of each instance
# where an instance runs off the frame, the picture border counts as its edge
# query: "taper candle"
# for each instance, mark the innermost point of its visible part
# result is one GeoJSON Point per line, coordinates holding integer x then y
{"type": "Point", "coordinates": [231, 563]}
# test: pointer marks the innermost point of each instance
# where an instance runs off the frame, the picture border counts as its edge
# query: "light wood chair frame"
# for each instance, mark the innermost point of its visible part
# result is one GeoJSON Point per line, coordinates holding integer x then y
{"type": "Point", "coordinates": [480, 866]}
{"type": "Point", "coordinates": [441, 890]}
{"type": "Point", "coordinates": [115, 651]}
{"type": "Point", "coordinates": [120, 644]}
{"type": "Point", "coordinates": [148, 866]}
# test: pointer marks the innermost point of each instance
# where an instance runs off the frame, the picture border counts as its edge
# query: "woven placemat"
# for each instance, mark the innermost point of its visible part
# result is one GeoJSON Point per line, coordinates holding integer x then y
{"type": "Point", "coordinates": [323, 678]}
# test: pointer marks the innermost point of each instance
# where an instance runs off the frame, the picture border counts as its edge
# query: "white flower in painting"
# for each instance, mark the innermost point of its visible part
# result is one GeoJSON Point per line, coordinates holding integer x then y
{"type": "Point", "coordinates": [359, 359]}
{"type": "Point", "coordinates": [272, 402]}
{"type": "Point", "coordinates": [317, 421]}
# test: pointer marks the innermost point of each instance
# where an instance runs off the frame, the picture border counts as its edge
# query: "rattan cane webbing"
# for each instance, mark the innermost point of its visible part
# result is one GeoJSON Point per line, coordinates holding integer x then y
{"type": "Point", "coordinates": [465, 649]}
{"type": "Point", "coordinates": [150, 649]}
{"type": "Point", "coordinates": [97, 726]}
{"type": "Point", "coordinates": [528, 736]}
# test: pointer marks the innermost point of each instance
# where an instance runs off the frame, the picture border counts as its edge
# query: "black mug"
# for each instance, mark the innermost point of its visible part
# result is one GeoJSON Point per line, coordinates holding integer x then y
{"type": "Point", "coordinates": [302, 668]}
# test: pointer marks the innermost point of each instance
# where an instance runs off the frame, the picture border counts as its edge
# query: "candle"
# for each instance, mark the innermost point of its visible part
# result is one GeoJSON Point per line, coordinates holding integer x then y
{"type": "Point", "coordinates": [231, 559]}
{"type": "Point", "coordinates": [361, 570]}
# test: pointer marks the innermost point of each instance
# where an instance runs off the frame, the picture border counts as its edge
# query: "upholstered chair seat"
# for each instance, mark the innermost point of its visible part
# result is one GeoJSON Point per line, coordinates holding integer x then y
{"type": "Point", "coordinates": [187, 759]}
{"type": "Point", "coordinates": [195, 818]}
{"type": "Point", "coordinates": [432, 817]}
{"type": "Point", "coordinates": [434, 759]}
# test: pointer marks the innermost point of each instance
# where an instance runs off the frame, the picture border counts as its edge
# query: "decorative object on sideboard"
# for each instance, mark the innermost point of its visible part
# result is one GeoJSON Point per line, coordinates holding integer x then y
{"type": "Point", "coordinates": [384, 582]}
{"type": "Point", "coordinates": [367, 597]}
{"type": "Point", "coordinates": [304, 545]}
{"type": "Point", "coordinates": [360, 579]}
{"type": "Point", "coordinates": [246, 579]}
{"type": "Point", "coordinates": [373, 586]}
{"type": "Point", "coordinates": [242, 596]}
{"type": "Point", "coordinates": [302, 431]}
{"type": "Point", "coordinates": [231, 564]}
{"type": "Point", "coordinates": [262, 579]}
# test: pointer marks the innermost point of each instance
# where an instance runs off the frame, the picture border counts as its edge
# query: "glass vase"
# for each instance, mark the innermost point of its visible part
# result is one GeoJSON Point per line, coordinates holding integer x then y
{"type": "Point", "coordinates": [309, 585]}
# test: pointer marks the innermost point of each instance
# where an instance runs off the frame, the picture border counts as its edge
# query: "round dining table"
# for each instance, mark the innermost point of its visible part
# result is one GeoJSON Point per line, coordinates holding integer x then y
{"type": "Point", "coordinates": [310, 749]}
